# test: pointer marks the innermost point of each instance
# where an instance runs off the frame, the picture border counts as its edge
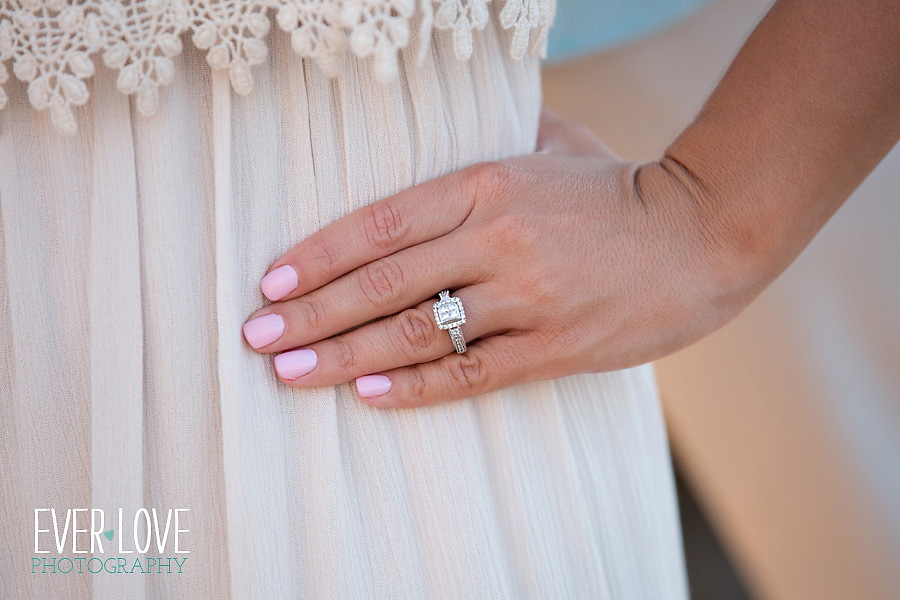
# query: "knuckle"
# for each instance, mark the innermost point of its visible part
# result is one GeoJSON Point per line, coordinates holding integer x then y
{"type": "Point", "coordinates": [541, 285]}
{"type": "Point", "coordinates": [311, 312]}
{"type": "Point", "coordinates": [514, 233]}
{"type": "Point", "coordinates": [321, 254]}
{"type": "Point", "coordinates": [467, 372]}
{"type": "Point", "coordinates": [559, 340]}
{"type": "Point", "coordinates": [345, 354]}
{"type": "Point", "coordinates": [381, 281]}
{"type": "Point", "coordinates": [415, 391]}
{"type": "Point", "coordinates": [383, 224]}
{"type": "Point", "coordinates": [417, 330]}
{"type": "Point", "coordinates": [490, 177]}
{"type": "Point", "coordinates": [491, 174]}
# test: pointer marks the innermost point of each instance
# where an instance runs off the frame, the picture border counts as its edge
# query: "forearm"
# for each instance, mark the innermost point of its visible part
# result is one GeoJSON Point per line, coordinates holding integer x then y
{"type": "Point", "coordinates": [807, 109]}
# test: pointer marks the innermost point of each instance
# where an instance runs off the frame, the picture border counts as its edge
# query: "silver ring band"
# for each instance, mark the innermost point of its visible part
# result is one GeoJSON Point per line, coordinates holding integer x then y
{"type": "Point", "coordinates": [450, 314]}
{"type": "Point", "coordinates": [458, 341]}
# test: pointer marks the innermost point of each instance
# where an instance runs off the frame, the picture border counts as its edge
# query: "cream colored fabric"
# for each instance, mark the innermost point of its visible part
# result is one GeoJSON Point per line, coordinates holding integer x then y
{"type": "Point", "coordinates": [130, 255]}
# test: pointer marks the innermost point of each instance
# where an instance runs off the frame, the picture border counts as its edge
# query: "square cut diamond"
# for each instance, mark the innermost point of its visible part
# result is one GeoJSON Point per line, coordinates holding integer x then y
{"type": "Point", "coordinates": [449, 312]}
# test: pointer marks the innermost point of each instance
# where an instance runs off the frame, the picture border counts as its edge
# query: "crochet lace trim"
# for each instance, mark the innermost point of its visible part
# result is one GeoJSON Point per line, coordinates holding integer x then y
{"type": "Point", "coordinates": [51, 42]}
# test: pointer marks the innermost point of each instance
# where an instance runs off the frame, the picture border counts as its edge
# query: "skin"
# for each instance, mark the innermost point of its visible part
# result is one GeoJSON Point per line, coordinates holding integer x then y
{"type": "Point", "coordinates": [569, 260]}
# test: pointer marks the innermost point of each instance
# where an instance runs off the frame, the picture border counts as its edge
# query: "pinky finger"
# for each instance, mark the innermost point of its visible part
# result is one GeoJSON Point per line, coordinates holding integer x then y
{"type": "Point", "coordinates": [487, 364]}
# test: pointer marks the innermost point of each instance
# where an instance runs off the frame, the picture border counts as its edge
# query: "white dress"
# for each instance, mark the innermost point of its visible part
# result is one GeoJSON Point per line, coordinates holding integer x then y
{"type": "Point", "coordinates": [133, 234]}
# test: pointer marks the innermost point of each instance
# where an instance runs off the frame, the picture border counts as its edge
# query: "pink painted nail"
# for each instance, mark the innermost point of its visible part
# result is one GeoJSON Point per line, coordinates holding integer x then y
{"type": "Point", "coordinates": [293, 364]}
{"type": "Point", "coordinates": [279, 282]}
{"type": "Point", "coordinates": [263, 330]}
{"type": "Point", "coordinates": [369, 386]}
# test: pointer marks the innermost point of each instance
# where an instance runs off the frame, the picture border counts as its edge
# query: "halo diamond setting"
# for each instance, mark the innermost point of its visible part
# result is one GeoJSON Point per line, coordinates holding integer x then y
{"type": "Point", "coordinates": [450, 314]}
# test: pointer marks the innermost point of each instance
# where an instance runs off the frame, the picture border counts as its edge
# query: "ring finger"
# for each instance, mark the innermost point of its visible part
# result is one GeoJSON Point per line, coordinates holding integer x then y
{"type": "Point", "coordinates": [377, 289]}
{"type": "Point", "coordinates": [409, 337]}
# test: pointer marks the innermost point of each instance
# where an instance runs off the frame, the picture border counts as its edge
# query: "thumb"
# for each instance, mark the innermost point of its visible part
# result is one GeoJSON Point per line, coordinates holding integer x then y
{"type": "Point", "coordinates": [559, 136]}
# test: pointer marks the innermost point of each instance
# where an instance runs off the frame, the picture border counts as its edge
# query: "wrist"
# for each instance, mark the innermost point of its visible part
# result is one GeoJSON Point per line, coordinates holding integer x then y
{"type": "Point", "coordinates": [735, 255]}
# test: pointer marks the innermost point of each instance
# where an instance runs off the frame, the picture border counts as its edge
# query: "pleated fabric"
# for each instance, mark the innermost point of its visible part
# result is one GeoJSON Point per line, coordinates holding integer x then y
{"type": "Point", "coordinates": [130, 256]}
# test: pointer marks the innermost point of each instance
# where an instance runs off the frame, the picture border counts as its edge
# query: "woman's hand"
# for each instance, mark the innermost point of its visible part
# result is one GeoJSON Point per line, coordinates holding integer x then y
{"type": "Point", "coordinates": [567, 260]}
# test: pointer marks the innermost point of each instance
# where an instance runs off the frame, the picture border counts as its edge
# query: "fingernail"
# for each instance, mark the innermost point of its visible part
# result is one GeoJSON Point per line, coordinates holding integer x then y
{"type": "Point", "coordinates": [263, 330]}
{"type": "Point", "coordinates": [369, 386]}
{"type": "Point", "coordinates": [293, 364]}
{"type": "Point", "coordinates": [279, 283]}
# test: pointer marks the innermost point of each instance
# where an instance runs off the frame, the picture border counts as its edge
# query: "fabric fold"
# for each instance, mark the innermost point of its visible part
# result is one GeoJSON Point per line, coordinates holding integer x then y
{"type": "Point", "coordinates": [116, 339]}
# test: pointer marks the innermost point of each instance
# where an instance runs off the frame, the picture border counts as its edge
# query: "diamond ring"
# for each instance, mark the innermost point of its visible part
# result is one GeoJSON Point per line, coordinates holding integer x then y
{"type": "Point", "coordinates": [449, 314]}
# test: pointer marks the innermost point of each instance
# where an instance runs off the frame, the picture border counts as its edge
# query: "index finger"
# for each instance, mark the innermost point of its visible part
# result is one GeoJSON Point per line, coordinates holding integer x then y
{"type": "Point", "coordinates": [415, 215]}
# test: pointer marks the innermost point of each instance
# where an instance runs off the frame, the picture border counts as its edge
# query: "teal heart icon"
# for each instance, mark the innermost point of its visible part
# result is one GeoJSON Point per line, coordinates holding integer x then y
{"type": "Point", "coordinates": [108, 534]}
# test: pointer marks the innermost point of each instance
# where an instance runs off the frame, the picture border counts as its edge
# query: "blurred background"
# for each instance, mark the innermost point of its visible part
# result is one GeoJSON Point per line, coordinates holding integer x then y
{"type": "Point", "coordinates": [785, 424]}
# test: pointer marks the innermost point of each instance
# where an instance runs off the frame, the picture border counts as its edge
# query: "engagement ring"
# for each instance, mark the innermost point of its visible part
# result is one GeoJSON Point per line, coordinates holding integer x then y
{"type": "Point", "coordinates": [449, 314]}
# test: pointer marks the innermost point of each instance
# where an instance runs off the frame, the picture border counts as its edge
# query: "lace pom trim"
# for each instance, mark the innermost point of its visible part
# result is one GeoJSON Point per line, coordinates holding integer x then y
{"type": "Point", "coordinates": [51, 42]}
